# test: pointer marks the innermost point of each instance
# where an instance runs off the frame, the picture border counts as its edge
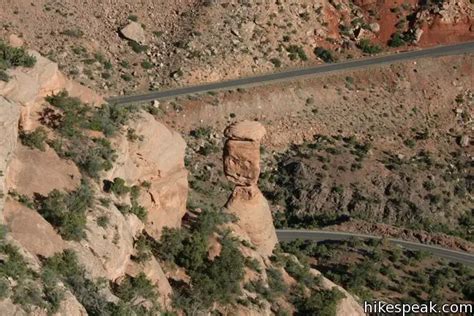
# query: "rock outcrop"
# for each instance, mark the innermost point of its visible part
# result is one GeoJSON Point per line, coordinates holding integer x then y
{"type": "Point", "coordinates": [31, 231]}
{"type": "Point", "coordinates": [157, 159]}
{"type": "Point", "coordinates": [242, 167]}
{"type": "Point", "coordinates": [9, 116]}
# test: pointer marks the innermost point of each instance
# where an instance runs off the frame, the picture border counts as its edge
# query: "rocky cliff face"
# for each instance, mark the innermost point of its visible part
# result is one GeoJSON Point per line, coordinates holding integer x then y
{"type": "Point", "coordinates": [157, 160]}
{"type": "Point", "coordinates": [242, 167]}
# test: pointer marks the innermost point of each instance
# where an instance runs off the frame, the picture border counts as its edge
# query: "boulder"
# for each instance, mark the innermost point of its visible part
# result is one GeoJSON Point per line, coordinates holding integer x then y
{"type": "Point", "coordinates": [242, 161]}
{"type": "Point", "coordinates": [15, 41]}
{"type": "Point", "coordinates": [134, 32]}
{"type": "Point", "coordinates": [31, 230]}
{"type": "Point", "coordinates": [254, 217]}
{"type": "Point", "coordinates": [246, 130]}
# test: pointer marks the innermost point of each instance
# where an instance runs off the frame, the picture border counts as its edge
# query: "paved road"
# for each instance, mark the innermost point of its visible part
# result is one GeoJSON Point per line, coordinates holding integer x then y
{"type": "Point", "coordinates": [296, 73]}
{"type": "Point", "coordinates": [319, 235]}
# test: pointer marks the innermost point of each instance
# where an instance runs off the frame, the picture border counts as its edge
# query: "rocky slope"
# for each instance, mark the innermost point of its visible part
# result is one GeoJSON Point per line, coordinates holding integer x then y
{"type": "Point", "coordinates": [137, 46]}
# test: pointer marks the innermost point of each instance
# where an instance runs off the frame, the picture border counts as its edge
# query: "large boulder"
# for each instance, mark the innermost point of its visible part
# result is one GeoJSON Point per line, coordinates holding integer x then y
{"type": "Point", "coordinates": [134, 32]}
{"type": "Point", "coordinates": [246, 130]}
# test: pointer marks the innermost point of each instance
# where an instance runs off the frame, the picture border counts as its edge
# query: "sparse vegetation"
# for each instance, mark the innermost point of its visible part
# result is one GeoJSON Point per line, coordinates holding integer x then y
{"type": "Point", "coordinates": [35, 139]}
{"type": "Point", "coordinates": [11, 57]}
{"type": "Point", "coordinates": [368, 47]}
{"type": "Point", "coordinates": [325, 54]}
{"type": "Point", "coordinates": [67, 211]}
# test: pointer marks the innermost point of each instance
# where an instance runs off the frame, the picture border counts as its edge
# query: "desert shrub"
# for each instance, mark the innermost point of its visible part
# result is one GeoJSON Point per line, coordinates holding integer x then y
{"type": "Point", "coordinates": [108, 118]}
{"type": "Point", "coordinates": [35, 139]}
{"type": "Point", "coordinates": [14, 265]}
{"type": "Point", "coordinates": [4, 288]}
{"type": "Point", "coordinates": [276, 282]}
{"type": "Point", "coordinates": [468, 290]}
{"type": "Point", "coordinates": [103, 221]}
{"type": "Point", "coordinates": [212, 281]}
{"type": "Point", "coordinates": [4, 76]}
{"type": "Point", "coordinates": [295, 51]}
{"type": "Point", "coordinates": [325, 54]}
{"type": "Point", "coordinates": [133, 18]}
{"type": "Point", "coordinates": [126, 77]}
{"type": "Point", "coordinates": [28, 294]}
{"type": "Point", "coordinates": [171, 244]}
{"type": "Point", "coordinates": [146, 64]}
{"type": "Point", "coordinates": [143, 248]}
{"type": "Point", "coordinates": [202, 132]}
{"type": "Point", "coordinates": [133, 289]}
{"type": "Point", "coordinates": [11, 57]}
{"type": "Point", "coordinates": [76, 33]}
{"type": "Point", "coordinates": [368, 47]}
{"type": "Point", "coordinates": [321, 303]}
{"type": "Point", "coordinates": [253, 264]}
{"type": "Point", "coordinates": [67, 211]}
{"type": "Point", "coordinates": [276, 62]}
{"type": "Point", "coordinates": [65, 268]}
{"type": "Point", "coordinates": [397, 40]}
{"type": "Point", "coordinates": [119, 187]}
{"type": "Point", "coordinates": [136, 47]}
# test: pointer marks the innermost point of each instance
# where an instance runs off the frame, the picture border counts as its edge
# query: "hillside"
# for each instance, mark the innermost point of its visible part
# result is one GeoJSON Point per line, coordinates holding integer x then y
{"type": "Point", "coordinates": [171, 43]}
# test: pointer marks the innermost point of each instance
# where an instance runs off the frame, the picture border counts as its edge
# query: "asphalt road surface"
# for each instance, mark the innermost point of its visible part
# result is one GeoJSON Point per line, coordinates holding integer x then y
{"type": "Point", "coordinates": [319, 235]}
{"type": "Point", "coordinates": [456, 49]}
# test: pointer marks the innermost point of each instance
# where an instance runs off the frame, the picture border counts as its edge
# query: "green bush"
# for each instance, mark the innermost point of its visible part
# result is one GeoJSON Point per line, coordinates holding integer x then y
{"type": "Point", "coordinates": [276, 62]}
{"type": "Point", "coordinates": [4, 288]}
{"type": "Point", "coordinates": [146, 64]}
{"type": "Point", "coordinates": [65, 268]}
{"type": "Point", "coordinates": [11, 57]}
{"type": "Point", "coordinates": [368, 47]}
{"type": "Point", "coordinates": [296, 51]}
{"type": "Point", "coordinates": [67, 211]}
{"type": "Point", "coordinates": [118, 187]}
{"type": "Point", "coordinates": [325, 54]}
{"type": "Point", "coordinates": [321, 303]}
{"type": "Point", "coordinates": [76, 33]}
{"type": "Point", "coordinates": [133, 289]}
{"type": "Point", "coordinates": [397, 40]}
{"type": "Point", "coordinates": [14, 266]}
{"type": "Point", "coordinates": [35, 139]}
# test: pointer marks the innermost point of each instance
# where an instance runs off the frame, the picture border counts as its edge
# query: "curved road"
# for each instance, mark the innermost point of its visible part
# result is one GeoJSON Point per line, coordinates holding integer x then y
{"type": "Point", "coordinates": [296, 73]}
{"type": "Point", "coordinates": [319, 235]}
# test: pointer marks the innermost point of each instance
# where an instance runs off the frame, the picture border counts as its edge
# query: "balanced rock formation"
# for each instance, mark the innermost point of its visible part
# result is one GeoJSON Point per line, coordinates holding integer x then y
{"type": "Point", "coordinates": [242, 167]}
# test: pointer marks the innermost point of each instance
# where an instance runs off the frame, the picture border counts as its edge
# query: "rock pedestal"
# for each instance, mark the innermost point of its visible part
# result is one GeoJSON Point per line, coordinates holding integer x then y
{"type": "Point", "coordinates": [242, 167]}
